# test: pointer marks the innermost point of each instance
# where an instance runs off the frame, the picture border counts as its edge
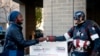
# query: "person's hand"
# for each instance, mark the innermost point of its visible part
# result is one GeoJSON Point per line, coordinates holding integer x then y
{"type": "Point", "coordinates": [41, 39]}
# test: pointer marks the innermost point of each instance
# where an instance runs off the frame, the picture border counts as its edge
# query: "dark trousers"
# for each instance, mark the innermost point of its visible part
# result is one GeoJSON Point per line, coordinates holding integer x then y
{"type": "Point", "coordinates": [75, 53]}
{"type": "Point", "coordinates": [12, 53]}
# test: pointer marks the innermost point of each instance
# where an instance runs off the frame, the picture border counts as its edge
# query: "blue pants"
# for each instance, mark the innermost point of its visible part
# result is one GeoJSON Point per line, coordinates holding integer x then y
{"type": "Point", "coordinates": [79, 53]}
{"type": "Point", "coordinates": [13, 53]}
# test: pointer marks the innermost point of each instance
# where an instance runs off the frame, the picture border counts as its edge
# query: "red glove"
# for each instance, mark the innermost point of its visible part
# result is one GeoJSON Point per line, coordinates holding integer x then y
{"type": "Point", "coordinates": [51, 38]}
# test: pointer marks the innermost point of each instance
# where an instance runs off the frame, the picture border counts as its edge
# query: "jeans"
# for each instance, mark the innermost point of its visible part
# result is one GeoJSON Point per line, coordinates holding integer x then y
{"type": "Point", "coordinates": [13, 53]}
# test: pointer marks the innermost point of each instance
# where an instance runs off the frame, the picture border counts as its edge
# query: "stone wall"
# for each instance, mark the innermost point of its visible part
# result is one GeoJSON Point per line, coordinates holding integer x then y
{"type": "Point", "coordinates": [58, 15]}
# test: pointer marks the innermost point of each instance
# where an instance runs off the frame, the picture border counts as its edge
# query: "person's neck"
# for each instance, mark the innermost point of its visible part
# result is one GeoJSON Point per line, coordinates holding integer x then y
{"type": "Point", "coordinates": [80, 24]}
{"type": "Point", "coordinates": [18, 23]}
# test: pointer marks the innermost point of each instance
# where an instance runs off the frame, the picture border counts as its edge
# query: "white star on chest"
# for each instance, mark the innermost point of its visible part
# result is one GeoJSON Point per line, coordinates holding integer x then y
{"type": "Point", "coordinates": [78, 33]}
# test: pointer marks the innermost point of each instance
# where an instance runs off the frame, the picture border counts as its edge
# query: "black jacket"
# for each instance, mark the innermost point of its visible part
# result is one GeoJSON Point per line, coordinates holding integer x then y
{"type": "Point", "coordinates": [14, 39]}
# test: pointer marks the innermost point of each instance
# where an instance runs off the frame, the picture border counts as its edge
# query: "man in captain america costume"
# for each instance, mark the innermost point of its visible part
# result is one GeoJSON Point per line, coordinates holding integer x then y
{"type": "Point", "coordinates": [84, 35]}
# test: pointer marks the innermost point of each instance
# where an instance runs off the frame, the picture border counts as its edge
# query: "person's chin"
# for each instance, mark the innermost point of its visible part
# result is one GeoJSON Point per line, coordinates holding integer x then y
{"type": "Point", "coordinates": [76, 23]}
{"type": "Point", "coordinates": [20, 23]}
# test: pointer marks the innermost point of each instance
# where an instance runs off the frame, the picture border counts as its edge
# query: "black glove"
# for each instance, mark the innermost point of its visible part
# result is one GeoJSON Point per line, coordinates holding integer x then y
{"type": "Point", "coordinates": [95, 53]}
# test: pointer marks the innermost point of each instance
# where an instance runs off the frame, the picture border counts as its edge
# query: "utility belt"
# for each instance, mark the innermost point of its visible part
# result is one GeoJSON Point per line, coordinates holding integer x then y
{"type": "Point", "coordinates": [80, 49]}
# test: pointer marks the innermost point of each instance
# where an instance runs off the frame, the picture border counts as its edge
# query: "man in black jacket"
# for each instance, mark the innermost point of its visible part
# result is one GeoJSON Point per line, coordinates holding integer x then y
{"type": "Point", "coordinates": [14, 40]}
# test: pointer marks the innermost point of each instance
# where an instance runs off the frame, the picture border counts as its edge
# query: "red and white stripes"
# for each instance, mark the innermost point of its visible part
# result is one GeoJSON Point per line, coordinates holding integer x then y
{"type": "Point", "coordinates": [80, 43]}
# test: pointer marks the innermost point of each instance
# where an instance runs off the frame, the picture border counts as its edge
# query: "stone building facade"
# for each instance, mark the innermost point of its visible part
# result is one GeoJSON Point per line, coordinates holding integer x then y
{"type": "Point", "coordinates": [58, 15]}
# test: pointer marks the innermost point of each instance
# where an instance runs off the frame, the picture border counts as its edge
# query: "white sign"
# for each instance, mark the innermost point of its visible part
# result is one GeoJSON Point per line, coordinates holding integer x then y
{"type": "Point", "coordinates": [49, 49]}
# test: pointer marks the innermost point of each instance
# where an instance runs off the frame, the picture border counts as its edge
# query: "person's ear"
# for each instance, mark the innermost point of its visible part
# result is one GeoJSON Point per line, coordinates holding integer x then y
{"type": "Point", "coordinates": [15, 20]}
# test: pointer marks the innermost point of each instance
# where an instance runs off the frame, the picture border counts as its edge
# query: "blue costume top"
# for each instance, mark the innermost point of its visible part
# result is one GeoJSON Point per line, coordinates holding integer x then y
{"type": "Point", "coordinates": [83, 35]}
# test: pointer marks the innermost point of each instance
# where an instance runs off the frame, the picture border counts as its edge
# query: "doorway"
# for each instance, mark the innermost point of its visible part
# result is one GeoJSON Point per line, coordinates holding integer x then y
{"type": "Point", "coordinates": [93, 10]}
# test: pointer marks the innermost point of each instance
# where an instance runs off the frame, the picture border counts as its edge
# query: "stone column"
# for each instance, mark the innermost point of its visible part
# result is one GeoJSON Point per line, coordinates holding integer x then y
{"type": "Point", "coordinates": [58, 16]}
{"type": "Point", "coordinates": [30, 19]}
{"type": "Point", "coordinates": [22, 10]}
{"type": "Point", "coordinates": [28, 12]}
